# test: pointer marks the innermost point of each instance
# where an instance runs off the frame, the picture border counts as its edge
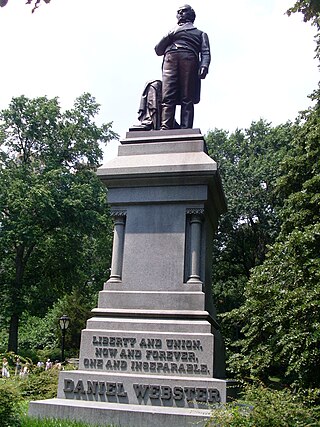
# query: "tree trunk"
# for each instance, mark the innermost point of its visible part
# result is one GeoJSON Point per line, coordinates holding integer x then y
{"type": "Point", "coordinates": [16, 300]}
{"type": "Point", "coordinates": [13, 333]}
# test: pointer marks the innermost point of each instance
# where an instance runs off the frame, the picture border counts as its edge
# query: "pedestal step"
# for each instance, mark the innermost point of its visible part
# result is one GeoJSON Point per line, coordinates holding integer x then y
{"type": "Point", "coordinates": [119, 415]}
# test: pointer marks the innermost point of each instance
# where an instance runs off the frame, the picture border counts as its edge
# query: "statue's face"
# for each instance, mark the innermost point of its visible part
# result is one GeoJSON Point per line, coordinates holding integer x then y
{"type": "Point", "coordinates": [184, 14]}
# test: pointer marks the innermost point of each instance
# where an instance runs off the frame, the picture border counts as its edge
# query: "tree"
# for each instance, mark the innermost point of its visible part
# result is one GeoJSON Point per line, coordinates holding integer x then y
{"type": "Point", "coordinates": [310, 10]}
{"type": "Point", "coordinates": [35, 3]}
{"type": "Point", "coordinates": [248, 162]}
{"type": "Point", "coordinates": [51, 200]}
{"type": "Point", "coordinates": [38, 335]}
{"type": "Point", "coordinates": [280, 315]}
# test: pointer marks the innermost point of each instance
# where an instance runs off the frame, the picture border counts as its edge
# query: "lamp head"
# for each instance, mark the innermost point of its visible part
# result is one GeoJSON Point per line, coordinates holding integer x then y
{"type": "Point", "coordinates": [64, 322]}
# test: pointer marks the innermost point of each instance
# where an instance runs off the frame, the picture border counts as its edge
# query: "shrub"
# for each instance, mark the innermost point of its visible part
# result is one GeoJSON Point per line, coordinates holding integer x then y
{"type": "Point", "coordinates": [49, 353]}
{"type": "Point", "coordinates": [9, 399]}
{"type": "Point", "coordinates": [39, 385]}
{"type": "Point", "coordinates": [263, 407]}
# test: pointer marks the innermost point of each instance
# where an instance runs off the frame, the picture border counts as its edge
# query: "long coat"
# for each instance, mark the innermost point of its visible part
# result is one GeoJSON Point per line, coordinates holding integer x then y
{"type": "Point", "coordinates": [187, 37]}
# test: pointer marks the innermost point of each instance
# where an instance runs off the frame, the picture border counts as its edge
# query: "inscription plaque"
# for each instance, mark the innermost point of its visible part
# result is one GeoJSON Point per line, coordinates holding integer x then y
{"type": "Point", "coordinates": [154, 355]}
{"type": "Point", "coordinates": [146, 392]}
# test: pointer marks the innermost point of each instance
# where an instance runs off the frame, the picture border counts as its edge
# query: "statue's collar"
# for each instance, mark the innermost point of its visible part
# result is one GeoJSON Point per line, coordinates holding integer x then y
{"type": "Point", "coordinates": [183, 27]}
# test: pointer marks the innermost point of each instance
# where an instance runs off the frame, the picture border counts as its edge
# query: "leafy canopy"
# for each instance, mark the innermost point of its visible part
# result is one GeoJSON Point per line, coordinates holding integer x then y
{"type": "Point", "coordinates": [280, 315]}
{"type": "Point", "coordinates": [52, 203]}
{"type": "Point", "coordinates": [249, 166]}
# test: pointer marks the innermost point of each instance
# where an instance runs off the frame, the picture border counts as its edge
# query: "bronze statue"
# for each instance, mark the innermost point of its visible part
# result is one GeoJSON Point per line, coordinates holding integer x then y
{"type": "Point", "coordinates": [186, 60]}
{"type": "Point", "coordinates": [149, 113]}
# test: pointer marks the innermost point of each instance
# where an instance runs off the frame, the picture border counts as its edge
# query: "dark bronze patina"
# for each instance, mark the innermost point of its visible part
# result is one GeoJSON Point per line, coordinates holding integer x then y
{"type": "Point", "coordinates": [149, 113]}
{"type": "Point", "coordinates": [186, 61]}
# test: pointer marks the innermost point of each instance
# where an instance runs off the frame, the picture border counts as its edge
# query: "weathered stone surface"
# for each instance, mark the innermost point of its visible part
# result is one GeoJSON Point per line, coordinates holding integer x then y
{"type": "Point", "coordinates": [100, 413]}
{"type": "Point", "coordinates": [152, 352]}
{"type": "Point", "coordinates": [167, 353]}
{"type": "Point", "coordinates": [138, 388]}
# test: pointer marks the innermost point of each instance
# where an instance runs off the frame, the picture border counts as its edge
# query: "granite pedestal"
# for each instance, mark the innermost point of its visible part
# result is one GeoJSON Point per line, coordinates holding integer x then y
{"type": "Point", "coordinates": [152, 353]}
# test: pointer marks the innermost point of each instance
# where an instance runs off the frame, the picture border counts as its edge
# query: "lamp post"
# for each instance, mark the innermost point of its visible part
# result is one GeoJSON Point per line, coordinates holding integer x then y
{"type": "Point", "coordinates": [64, 322]}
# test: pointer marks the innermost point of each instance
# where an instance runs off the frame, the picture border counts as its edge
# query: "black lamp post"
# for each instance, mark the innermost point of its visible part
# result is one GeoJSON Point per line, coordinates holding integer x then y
{"type": "Point", "coordinates": [64, 322]}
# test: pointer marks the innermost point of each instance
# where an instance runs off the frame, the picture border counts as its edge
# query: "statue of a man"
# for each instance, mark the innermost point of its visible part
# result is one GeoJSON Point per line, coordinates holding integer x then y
{"type": "Point", "coordinates": [186, 60]}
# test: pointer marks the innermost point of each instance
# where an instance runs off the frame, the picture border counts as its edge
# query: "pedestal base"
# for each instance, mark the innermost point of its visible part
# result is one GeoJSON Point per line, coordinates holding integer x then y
{"type": "Point", "coordinates": [152, 354]}
{"type": "Point", "coordinates": [119, 414]}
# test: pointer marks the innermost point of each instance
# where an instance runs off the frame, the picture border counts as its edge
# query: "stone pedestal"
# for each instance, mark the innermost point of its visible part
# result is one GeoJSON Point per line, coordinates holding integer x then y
{"type": "Point", "coordinates": [152, 352]}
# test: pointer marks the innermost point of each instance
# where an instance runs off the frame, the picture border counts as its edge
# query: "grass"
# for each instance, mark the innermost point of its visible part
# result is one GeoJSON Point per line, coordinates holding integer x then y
{"type": "Point", "coordinates": [46, 422]}
{"type": "Point", "coordinates": [36, 422]}
{"type": "Point", "coordinates": [27, 421]}
{"type": "Point", "coordinates": [259, 406]}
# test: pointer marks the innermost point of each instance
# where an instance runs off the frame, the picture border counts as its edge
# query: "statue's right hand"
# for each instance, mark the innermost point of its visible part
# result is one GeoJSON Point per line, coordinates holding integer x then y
{"type": "Point", "coordinates": [164, 43]}
{"type": "Point", "coordinates": [170, 35]}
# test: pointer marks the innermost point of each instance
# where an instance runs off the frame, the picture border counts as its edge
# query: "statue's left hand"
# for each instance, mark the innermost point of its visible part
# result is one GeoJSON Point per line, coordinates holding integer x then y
{"type": "Point", "coordinates": [203, 72]}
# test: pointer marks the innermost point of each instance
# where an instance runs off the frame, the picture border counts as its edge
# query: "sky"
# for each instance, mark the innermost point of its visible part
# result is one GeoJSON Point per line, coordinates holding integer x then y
{"type": "Point", "coordinates": [262, 65]}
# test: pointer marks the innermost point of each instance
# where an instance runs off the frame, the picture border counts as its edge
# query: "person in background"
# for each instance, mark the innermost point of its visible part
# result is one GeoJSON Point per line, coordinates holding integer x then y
{"type": "Point", "coordinates": [18, 367]}
{"type": "Point", "coordinates": [48, 364]}
{"type": "Point", "coordinates": [5, 368]}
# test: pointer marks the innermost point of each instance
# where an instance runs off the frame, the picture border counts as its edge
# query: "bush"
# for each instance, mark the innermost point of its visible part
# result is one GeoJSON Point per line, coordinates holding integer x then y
{"type": "Point", "coordinates": [263, 407]}
{"type": "Point", "coordinates": [3, 339]}
{"type": "Point", "coordinates": [50, 353]}
{"type": "Point", "coordinates": [36, 333]}
{"type": "Point", "coordinates": [9, 399]}
{"type": "Point", "coordinates": [39, 384]}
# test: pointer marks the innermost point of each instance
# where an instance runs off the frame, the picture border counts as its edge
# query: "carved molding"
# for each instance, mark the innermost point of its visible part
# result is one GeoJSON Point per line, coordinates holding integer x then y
{"type": "Point", "coordinates": [118, 213]}
{"type": "Point", "coordinates": [195, 211]}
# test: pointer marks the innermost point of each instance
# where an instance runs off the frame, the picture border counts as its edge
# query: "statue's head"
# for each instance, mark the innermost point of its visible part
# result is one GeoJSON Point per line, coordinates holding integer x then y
{"type": "Point", "coordinates": [185, 13]}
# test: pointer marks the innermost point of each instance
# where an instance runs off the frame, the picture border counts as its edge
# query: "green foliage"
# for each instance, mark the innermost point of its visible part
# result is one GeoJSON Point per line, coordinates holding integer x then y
{"type": "Point", "coordinates": [35, 3]}
{"type": "Point", "coordinates": [12, 358]}
{"type": "Point", "coordinates": [34, 422]}
{"type": "Point", "coordinates": [263, 407]}
{"type": "Point", "coordinates": [78, 307]}
{"type": "Point", "coordinates": [310, 10]}
{"type": "Point", "coordinates": [9, 399]}
{"type": "Point", "coordinates": [39, 384]}
{"type": "Point", "coordinates": [16, 392]}
{"type": "Point", "coordinates": [279, 318]}
{"type": "Point", "coordinates": [249, 166]}
{"type": "Point", "coordinates": [36, 333]}
{"type": "Point", "coordinates": [311, 13]}
{"type": "Point", "coordinates": [40, 338]}
{"type": "Point", "coordinates": [53, 208]}
{"type": "Point", "coordinates": [280, 315]}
